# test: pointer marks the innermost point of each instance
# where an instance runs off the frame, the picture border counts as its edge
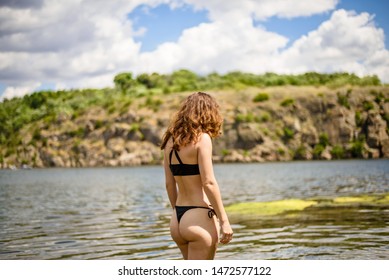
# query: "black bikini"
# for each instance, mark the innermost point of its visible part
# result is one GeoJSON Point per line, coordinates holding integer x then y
{"type": "Point", "coordinates": [183, 169]}
{"type": "Point", "coordinates": [180, 211]}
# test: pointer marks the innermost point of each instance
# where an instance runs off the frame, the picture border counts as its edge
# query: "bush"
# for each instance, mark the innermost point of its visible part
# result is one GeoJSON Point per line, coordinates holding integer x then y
{"type": "Point", "coordinates": [249, 117]}
{"type": "Point", "coordinates": [367, 105]}
{"type": "Point", "coordinates": [358, 119]}
{"type": "Point", "coordinates": [337, 152]}
{"type": "Point", "coordinates": [319, 148]}
{"type": "Point", "coordinates": [300, 152]}
{"type": "Point", "coordinates": [287, 102]}
{"type": "Point", "coordinates": [343, 100]}
{"type": "Point", "coordinates": [265, 117]}
{"type": "Point", "coordinates": [323, 140]}
{"type": "Point", "coordinates": [357, 148]}
{"type": "Point", "coordinates": [260, 97]}
{"type": "Point", "coordinates": [288, 133]}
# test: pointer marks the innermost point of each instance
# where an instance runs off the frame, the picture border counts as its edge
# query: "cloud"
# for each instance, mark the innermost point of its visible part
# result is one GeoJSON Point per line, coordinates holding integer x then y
{"type": "Point", "coordinates": [347, 42]}
{"type": "Point", "coordinates": [230, 41]}
{"type": "Point", "coordinates": [65, 42]}
{"type": "Point", "coordinates": [263, 9]}
{"type": "Point", "coordinates": [20, 91]}
{"type": "Point", "coordinates": [21, 3]}
{"type": "Point", "coordinates": [84, 43]}
{"type": "Point", "coordinates": [218, 47]}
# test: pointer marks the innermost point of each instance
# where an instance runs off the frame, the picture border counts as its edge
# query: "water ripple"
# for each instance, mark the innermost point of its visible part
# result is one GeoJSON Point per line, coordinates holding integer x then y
{"type": "Point", "coordinates": [123, 213]}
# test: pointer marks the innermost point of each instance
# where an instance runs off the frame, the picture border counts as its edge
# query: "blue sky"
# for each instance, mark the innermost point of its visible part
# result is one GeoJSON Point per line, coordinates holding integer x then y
{"type": "Point", "coordinates": [161, 21]}
{"type": "Point", "coordinates": [109, 37]}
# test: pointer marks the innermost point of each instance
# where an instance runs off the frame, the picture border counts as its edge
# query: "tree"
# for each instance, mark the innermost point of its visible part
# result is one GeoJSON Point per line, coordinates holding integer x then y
{"type": "Point", "coordinates": [124, 81]}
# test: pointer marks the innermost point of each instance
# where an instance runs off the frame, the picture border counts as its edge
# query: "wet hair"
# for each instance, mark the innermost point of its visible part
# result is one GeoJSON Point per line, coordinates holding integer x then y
{"type": "Point", "coordinates": [199, 113]}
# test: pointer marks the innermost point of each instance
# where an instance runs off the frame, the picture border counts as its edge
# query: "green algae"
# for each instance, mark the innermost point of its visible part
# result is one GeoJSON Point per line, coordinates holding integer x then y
{"type": "Point", "coordinates": [363, 199]}
{"type": "Point", "coordinates": [292, 207]}
{"type": "Point", "coordinates": [271, 207]}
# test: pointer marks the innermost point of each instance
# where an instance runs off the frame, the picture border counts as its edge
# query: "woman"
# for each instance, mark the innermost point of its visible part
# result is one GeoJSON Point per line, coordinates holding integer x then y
{"type": "Point", "coordinates": [198, 216]}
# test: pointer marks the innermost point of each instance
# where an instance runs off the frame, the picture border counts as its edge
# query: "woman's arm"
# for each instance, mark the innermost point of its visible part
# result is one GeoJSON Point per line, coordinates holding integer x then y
{"type": "Point", "coordinates": [171, 186]}
{"type": "Point", "coordinates": [211, 187]}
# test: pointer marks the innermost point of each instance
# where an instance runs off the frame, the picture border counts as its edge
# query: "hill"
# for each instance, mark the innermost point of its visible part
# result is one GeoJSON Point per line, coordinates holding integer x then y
{"type": "Point", "coordinates": [266, 118]}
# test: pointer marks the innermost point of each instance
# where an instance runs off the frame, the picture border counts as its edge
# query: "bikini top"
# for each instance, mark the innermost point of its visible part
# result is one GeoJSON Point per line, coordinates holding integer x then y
{"type": "Point", "coordinates": [182, 169]}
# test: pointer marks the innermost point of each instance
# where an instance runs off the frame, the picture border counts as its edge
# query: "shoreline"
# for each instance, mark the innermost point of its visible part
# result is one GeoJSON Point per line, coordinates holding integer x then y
{"type": "Point", "coordinates": [15, 168]}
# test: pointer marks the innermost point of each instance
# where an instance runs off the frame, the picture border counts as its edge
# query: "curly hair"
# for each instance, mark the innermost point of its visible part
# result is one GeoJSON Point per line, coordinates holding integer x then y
{"type": "Point", "coordinates": [199, 113]}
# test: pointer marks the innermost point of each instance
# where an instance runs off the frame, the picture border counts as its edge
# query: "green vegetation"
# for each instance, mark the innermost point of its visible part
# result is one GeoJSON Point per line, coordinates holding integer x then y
{"type": "Point", "coordinates": [358, 119]}
{"type": "Point", "coordinates": [295, 206]}
{"type": "Point", "coordinates": [35, 121]}
{"type": "Point", "coordinates": [288, 133]}
{"type": "Point", "coordinates": [249, 117]}
{"type": "Point", "coordinates": [300, 152]}
{"type": "Point", "coordinates": [185, 80]}
{"type": "Point", "coordinates": [287, 102]}
{"type": "Point", "coordinates": [320, 147]}
{"type": "Point", "coordinates": [368, 105]}
{"type": "Point", "coordinates": [270, 208]}
{"type": "Point", "coordinates": [337, 152]}
{"type": "Point", "coordinates": [260, 97]}
{"type": "Point", "coordinates": [357, 148]}
{"type": "Point", "coordinates": [343, 99]}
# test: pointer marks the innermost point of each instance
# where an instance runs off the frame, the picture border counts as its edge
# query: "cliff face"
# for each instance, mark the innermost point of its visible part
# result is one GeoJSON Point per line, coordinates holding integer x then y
{"type": "Point", "coordinates": [260, 124]}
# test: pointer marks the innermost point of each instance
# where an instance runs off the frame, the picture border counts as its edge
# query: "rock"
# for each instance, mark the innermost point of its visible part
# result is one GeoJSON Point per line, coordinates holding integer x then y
{"type": "Point", "coordinates": [326, 153]}
{"type": "Point", "coordinates": [234, 156]}
{"type": "Point", "coordinates": [309, 135]}
{"type": "Point", "coordinates": [129, 159]}
{"type": "Point", "coordinates": [376, 130]}
{"type": "Point", "coordinates": [340, 126]}
{"type": "Point", "coordinates": [151, 134]}
{"type": "Point", "coordinates": [116, 130]}
{"type": "Point", "coordinates": [116, 145]}
{"type": "Point", "coordinates": [249, 136]}
{"type": "Point", "coordinates": [252, 132]}
{"type": "Point", "coordinates": [385, 148]}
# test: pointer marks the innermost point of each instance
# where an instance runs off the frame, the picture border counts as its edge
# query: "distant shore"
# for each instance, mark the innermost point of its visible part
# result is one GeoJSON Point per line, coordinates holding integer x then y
{"type": "Point", "coordinates": [261, 124]}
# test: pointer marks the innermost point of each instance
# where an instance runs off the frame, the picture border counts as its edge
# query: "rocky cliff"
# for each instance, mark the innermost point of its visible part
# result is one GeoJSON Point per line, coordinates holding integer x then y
{"type": "Point", "coordinates": [260, 124]}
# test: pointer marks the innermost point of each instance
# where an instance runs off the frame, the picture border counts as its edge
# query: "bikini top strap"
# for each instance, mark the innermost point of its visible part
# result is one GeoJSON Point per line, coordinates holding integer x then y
{"type": "Point", "coordinates": [178, 157]}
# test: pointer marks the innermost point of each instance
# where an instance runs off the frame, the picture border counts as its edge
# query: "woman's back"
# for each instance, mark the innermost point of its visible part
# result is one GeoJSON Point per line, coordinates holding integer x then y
{"type": "Point", "coordinates": [190, 191]}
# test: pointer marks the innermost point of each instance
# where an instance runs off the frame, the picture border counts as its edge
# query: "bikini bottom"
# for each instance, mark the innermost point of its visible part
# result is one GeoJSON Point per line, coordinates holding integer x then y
{"type": "Point", "coordinates": [180, 211]}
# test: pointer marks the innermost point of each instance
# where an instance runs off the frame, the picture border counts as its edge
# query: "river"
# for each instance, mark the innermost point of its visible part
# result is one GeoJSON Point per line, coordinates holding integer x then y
{"type": "Point", "coordinates": [123, 213]}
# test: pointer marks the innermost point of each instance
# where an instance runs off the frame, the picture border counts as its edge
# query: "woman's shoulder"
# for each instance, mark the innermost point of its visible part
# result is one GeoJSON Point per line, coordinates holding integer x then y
{"type": "Point", "coordinates": [169, 144]}
{"type": "Point", "coordinates": [204, 140]}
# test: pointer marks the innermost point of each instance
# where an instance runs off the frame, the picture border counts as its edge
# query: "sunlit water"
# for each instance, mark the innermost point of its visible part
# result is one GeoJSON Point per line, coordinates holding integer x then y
{"type": "Point", "coordinates": [123, 213]}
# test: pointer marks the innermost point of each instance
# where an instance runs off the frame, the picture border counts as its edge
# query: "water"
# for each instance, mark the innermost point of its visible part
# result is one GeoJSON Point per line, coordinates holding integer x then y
{"type": "Point", "coordinates": [123, 213]}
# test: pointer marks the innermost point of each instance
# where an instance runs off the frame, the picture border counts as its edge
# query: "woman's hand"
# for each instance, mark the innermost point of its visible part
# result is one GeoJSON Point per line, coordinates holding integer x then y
{"type": "Point", "coordinates": [225, 232]}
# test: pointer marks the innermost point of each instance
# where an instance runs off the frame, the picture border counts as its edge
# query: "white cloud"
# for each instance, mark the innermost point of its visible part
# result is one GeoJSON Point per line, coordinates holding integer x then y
{"type": "Point", "coordinates": [84, 43]}
{"type": "Point", "coordinates": [262, 9]}
{"type": "Point", "coordinates": [216, 46]}
{"type": "Point", "coordinates": [346, 42]}
{"type": "Point", "coordinates": [65, 42]}
{"type": "Point", "coordinates": [11, 92]}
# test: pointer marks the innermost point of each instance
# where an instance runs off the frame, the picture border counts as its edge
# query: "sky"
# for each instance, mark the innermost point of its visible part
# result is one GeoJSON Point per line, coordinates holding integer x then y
{"type": "Point", "coordinates": [54, 44]}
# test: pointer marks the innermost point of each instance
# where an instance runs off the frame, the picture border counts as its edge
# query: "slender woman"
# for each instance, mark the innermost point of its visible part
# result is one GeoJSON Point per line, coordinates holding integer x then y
{"type": "Point", "coordinates": [199, 218]}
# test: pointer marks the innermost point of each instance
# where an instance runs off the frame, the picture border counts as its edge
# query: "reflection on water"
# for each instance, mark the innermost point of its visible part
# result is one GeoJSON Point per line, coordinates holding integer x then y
{"type": "Point", "coordinates": [123, 213]}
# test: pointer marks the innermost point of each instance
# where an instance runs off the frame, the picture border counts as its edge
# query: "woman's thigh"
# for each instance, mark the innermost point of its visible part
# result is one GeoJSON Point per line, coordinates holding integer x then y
{"type": "Point", "coordinates": [201, 232]}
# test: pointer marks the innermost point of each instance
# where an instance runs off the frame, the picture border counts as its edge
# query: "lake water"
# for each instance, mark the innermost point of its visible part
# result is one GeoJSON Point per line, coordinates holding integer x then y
{"type": "Point", "coordinates": [123, 213]}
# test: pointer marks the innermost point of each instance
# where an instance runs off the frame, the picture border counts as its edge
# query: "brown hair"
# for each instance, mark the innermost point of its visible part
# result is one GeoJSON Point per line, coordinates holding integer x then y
{"type": "Point", "coordinates": [199, 113]}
